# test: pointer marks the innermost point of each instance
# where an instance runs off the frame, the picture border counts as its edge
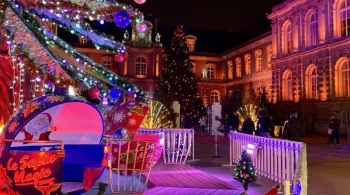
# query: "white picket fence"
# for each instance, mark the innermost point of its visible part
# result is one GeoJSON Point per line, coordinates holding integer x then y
{"type": "Point", "coordinates": [178, 144]}
{"type": "Point", "coordinates": [276, 159]}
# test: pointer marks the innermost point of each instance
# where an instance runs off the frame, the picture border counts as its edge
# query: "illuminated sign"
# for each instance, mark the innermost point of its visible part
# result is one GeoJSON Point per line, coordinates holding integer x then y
{"type": "Point", "coordinates": [31, 172]}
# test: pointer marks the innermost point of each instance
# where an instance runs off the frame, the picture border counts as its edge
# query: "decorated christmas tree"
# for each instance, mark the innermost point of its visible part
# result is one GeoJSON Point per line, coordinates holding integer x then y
{"type": "Point", "coordinates": [177, 80]}
{"type": "Point", "coordinates": [245, 171]}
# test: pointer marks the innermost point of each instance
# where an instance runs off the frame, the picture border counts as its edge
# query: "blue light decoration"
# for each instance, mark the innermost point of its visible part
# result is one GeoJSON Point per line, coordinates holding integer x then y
{"type": "Point", "coordinates": [114, 93]}
{"type": "Point", "coordinates": [297, 188]}
{"type": "Point", "coordinates": [122, 19]}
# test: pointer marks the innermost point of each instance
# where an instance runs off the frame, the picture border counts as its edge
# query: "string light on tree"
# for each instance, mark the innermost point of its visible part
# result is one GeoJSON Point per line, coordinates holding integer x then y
{"type": "Point", "coordinates": [245, 171]}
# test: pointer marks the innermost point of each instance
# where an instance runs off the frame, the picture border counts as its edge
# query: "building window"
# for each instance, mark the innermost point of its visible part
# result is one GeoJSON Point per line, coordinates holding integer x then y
{"type": "Point", "coordinates": [314, 83]}
{"type": "Point", "coordinates": [230, 69]}
{"type": "Point", "coordinates": [106, 61]}
{"type": "Point", "coordinates": [190, 47]}
{"type": "Point", "coordinates": [288, 86]}
{"type": "Point", "coordinates": [214, 96]}
{"type": "Point", "coordinates": [83, 40]}
{"type": "Point", "coordinates": [210, 72]}
{"type": "Point", "coordinates": [289, 38]}
{"type": "Point", "coordinates": [345, 18]}
{"type": "Point", "coordinates": [313, 30]}
{"type": "Point", "coordinates": [238, 67]}
{"type": "Point", "coordinates": [269, 56]}
{"type": "Point", "coordinates": [258, 60]}
{"type": "Point", "coordinates": [140, 66]}
{"type": "Point", "coordinates": [311, 82]}
{"type": "Point", "coordinates": [346, 79]}
{"type": "Point", "coordinates": [248, 64]}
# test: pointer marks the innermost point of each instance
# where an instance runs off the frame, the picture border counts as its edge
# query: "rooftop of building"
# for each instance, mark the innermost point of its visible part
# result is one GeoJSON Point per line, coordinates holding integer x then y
{"type": "Point", "coordinates": [209, 42]}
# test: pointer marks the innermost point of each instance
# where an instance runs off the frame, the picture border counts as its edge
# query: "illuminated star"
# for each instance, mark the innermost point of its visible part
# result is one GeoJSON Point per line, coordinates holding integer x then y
{"type": "Point", "coordinates": [46, 190]}
{"type": "Point", "coordinates": [4, 176]}
{"type": "Point", "coordinates": [53, 99]}
{"type": "Point", "coordinates": [137, 110]}
{"type": "Point", "coordinates": [30, 108]}
{"type": "Point", "coordinates": [12, 126]}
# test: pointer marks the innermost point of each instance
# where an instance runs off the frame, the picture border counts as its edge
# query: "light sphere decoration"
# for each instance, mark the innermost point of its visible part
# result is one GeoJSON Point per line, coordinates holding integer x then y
{"type": "Point", "coordinates": [141, 27]}
{"type": "Point", "coordinates": [122, 19]}
{"type": "Point", "coordinates": [119, 57]}
{"type": "Point", "coordinates": [93, 93]}
{"type": "Point", "coordinates": [140, 1]}
{"type": "Point", "coordinates": [114, 93]}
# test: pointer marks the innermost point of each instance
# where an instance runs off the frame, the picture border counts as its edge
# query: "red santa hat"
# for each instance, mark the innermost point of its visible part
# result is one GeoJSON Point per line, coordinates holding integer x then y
{"type": "Point", "coordinates": [48, 115]}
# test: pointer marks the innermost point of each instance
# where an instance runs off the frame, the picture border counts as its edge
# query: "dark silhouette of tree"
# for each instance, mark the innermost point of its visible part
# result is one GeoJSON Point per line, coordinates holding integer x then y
{"type": "Point", "coordinates": [249, 96]}
{"type": "Point", "coordinates": [233, 101]}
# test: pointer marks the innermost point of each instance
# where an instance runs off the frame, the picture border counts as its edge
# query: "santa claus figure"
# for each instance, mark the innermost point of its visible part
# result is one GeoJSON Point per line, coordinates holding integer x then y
{"type": "Point", "coordinates": [39, 128]}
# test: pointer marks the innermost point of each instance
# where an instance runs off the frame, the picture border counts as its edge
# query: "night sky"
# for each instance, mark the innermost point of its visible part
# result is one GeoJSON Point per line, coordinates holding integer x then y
{"type": "Point", "coordinates": [231, 15]}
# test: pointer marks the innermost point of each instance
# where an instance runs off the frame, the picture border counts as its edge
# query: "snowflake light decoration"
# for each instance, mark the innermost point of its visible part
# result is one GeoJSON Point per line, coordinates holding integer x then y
{"type": "Point", "coordinates": [132, 122]}
{"type": "Point", "coordinates": [118, 117]}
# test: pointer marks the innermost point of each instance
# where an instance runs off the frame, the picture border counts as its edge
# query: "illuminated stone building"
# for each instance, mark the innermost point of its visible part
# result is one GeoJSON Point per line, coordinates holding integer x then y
{"type": "Point", "coordinates": [310, 66]}
{"type": "Point", "coordinates": [303, 62]}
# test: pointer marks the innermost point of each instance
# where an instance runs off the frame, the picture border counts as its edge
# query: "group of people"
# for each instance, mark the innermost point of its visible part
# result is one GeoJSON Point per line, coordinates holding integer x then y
{"type": "Point", "coordinates": [264, 126]}
{"type": "Point", "coordinates": [291, 130]}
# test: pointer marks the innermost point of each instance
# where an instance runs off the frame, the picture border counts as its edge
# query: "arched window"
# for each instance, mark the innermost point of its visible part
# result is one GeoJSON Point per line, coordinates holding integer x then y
{"type": "Point", "coordinates": [314, 84]}
{"type": "Point", "coordinates": [83, 40]}
{"type": "Point", "coordinates": [345, 71]}
{"type": "Point", "coordinates": [214, 96]}
{"type": "Point", "coordinates": [248, 64]}
{"type": "Point", "coordinates": [209, 71]}
{"type": "Point", "coordinates": [288, 86]}
{"type": "Point", "coordinates": [140, 66]}
{"type": "Point", "coordinates": [287, 37]}
{"type": "Point", "coordinates": [341, 17]}
{"type": "Point", "coordinates": [311, 80]}
{"type": "Point", "coordinates": [107, 61]}
{"type": "Point", "coordinates": [313, 30]}
{"type": "Point", "coordinates": [238, 67]}
{"type": "Point", "coordinates": [230, 69]}
{"type": "Point", "coordinates": [345, 18]}
{"type": "Point", "coordinates": [269, 56]}
{"type": "Point", "coordinates": [258, 60]}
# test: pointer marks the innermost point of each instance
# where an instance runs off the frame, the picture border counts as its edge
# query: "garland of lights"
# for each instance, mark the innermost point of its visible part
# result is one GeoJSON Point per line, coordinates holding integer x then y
{"type": "Point", "coordinates": [49, 38]}
{"type": "Point", "coordinates": [94, 10]}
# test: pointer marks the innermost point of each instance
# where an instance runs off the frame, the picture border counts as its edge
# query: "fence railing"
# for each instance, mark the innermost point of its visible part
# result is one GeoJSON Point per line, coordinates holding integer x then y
{"type": "Point", "coordinates": [275, 159]}
{"type": "Point", "coordinates": [178, 144]}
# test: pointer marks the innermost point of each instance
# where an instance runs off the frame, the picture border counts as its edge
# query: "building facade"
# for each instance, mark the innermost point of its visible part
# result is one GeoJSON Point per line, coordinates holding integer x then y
{"type": "Point", "coordinates": [310, 65]}
{"type": "Point", "coordinates": [303, 63]}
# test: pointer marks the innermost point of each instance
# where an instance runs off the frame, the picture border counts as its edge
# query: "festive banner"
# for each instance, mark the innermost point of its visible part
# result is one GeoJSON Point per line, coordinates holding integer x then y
{"type": "Point", "coordinates": [31, 172]}
{"type": "Point", "coordinates": [131, 157]}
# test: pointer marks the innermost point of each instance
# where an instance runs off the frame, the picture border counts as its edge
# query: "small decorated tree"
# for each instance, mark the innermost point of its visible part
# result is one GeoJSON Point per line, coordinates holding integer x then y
{"type": "Point", "coordinates": [245, 171]}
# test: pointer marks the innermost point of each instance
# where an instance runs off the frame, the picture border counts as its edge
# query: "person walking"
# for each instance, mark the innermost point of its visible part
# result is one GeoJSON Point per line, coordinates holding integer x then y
{"type": "Point", "coordinates": [248, 126]}
{"type": "Point", "coordinates": [226, 124]}
{"type": "Point", "coordinates": [293, 128]}
{"type": "Point", "coordinates": [263, 125]}
{"type": "Point", "coordinates": [333, 126]}
{"type": "Point", "coordinates": [203, 123]}
{"type": "Point", "coordinates": [235, 121]}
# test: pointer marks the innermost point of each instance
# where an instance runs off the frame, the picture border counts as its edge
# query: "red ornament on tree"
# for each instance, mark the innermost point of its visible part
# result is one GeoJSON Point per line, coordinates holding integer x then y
{"type": "Point", "coordinates": [4, 47]}
{"type": "Point", "coordinates": [119, 57]}
{"type": "Point", "coordinates": [93, 93]}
